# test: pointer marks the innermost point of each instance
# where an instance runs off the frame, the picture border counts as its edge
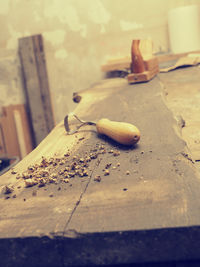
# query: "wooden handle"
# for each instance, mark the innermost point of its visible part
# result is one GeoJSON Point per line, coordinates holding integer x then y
{"type": "Point", "coordinates": [137, 65]}
{"type": "Point", "coordinates": [122, 132]}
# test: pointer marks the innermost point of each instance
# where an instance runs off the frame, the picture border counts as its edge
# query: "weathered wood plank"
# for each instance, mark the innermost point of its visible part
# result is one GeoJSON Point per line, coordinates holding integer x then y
{"type": "Point", "coordinates": [149, 214]}
{"type": "Point", "coordinates": [43, 80]}
{"type": "Point", "coordinates": [36, 86]}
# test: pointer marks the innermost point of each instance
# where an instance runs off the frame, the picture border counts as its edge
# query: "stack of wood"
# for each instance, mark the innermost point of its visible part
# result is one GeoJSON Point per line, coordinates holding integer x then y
{"type": "Point", "coordinates": [22, 129]}
{"type": "Point", "coordinates": [15, 132]}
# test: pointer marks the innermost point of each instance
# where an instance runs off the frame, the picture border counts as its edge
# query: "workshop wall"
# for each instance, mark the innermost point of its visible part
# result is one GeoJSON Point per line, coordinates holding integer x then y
{"type": "Point", "coordinates": [79, 35]}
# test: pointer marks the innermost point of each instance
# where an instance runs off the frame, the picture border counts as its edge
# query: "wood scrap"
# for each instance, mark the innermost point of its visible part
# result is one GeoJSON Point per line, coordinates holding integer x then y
{"type": "Point", "coordinates": [189, 60]}
{"type": "Point", "coordinates": [31, 51]}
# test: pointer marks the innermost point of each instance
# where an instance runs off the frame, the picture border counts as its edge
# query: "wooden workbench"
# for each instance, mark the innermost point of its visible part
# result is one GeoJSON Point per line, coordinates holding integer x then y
{"type": "Point", "coordinates": [145, 210]}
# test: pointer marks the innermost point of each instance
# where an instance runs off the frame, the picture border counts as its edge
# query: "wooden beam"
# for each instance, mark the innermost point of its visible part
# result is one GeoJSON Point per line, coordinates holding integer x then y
{"type": "Point", "coordinates": [31, 51]}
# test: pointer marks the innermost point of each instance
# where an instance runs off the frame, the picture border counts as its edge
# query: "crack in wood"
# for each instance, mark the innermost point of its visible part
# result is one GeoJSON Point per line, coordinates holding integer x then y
{"type": "Point", "coordinates": [71, 233]}
{"type": "Point", "coordinates": [79, 201]}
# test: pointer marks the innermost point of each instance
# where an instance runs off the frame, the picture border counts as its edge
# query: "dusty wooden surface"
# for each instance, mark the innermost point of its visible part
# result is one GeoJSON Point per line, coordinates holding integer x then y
{"type": "Point", "coordinates": [147, 209]}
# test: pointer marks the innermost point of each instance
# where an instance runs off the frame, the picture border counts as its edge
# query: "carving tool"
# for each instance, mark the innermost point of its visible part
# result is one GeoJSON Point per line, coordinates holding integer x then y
{"type": "Point", "coordinates": [122, 132]}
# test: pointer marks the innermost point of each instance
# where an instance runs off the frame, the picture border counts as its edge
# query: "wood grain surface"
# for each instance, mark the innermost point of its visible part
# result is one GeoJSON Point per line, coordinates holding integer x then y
{"type": "Point", "coordinates": [145, 210]}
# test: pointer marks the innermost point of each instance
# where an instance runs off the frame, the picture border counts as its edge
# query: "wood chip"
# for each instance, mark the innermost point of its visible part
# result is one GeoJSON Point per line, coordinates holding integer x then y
{"type": "Point", "coordinates": [97, 178]}
{"type": "Point", "coordinates": [8, 189]}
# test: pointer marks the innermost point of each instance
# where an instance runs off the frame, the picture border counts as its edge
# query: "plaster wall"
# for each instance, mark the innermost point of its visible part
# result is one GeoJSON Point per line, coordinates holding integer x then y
{"type": "Point", "coordinates": [79, 36]}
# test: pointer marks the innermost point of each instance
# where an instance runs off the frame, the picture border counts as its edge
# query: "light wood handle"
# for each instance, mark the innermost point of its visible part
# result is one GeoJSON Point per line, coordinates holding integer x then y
{"type": "Point", "coordinates": [122, 132]}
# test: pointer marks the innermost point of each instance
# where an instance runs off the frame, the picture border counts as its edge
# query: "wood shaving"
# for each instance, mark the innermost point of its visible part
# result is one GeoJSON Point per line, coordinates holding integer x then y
{"type": "Point", "coordinates": [56, 169]}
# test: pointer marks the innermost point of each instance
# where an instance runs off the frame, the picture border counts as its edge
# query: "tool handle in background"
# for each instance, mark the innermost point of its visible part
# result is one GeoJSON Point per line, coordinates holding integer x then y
{"type": "Point", "coordinates": [137, 64]}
